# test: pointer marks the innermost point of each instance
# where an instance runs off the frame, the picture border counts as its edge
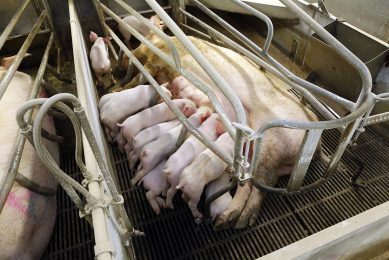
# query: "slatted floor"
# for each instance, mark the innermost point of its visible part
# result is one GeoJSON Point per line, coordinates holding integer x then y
{"type": "Point", "coordinates": [282, 221]}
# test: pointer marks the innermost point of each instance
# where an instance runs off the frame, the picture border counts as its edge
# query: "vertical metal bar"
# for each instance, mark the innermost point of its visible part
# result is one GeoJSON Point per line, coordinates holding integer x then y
{"type": "Point", "coordinates": [21, 139]}
{"type": "Point", "coordinates": [344, 142]}
{"type": "Point", "coordinates": [98, 215]}
{"type": "Point", "coordinates": [307, 150]}
{"type": "Point", "coordinates": [19, 57]}
{"type": "Point", "coordinates": [177, 16]}
{"type": "Point", "coordinates": [11, 25]}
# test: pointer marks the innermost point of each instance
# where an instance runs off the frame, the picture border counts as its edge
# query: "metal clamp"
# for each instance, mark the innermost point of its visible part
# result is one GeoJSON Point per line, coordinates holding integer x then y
{"type": "Point", "coordinates": [91, 178]}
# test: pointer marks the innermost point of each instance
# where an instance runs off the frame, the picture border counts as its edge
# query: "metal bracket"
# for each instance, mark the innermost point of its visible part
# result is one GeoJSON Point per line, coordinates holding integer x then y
{"type": "Point", "coordinates": [102, 247]}
{"type": "Point", "coordinates": [91, 178]}
{"type": "Point", "coordinates": [103, 203]}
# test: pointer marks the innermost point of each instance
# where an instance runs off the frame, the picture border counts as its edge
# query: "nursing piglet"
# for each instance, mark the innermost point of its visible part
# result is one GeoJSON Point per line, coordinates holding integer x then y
{"type": "Point", "coordinates": [155, 183]}
{"type": "Point", "coordinates": [165, 145]}
{"type": "Point", "coordinates": [100, 62]}
{"type": "Point", "coordinates": [149, 117]}
{"type": "Point", "coordinates": [155, 152]}
{"type": "Point", "coordinates": [204, 169]}
{"type": "Point", "coordinates": [117, 106]}
{"type": "Point", "coordinates": [146, 136]}
{"type": "Point", "coordinates": [188, 151]}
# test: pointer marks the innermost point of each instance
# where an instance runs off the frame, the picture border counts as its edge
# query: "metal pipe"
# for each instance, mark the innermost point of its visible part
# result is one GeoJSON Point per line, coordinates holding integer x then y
{"type": "Point", "coordinates": [266, 19]}
{"type": "Point", "coordinates": [19, 57]}
{"type": "Point", "coordinates": [157, 31]}
{"type": "Point", "coordinates": [60, 176]}
{"type": "Point", "coordinates": [205, 89]}
{"type": "Point", "coordinates": [185, 122]}
{"type": "Point", "coordinates": [11, 25]}
{"type": "Point", "coordinates": [98, 214]}
{"type": "Point", "coordinates": [203, 62]}
{"type": "Point", "coordinates": [307, 126]}
{"type": "Point", "coordinates": [309, 86]}
{"type": "Point", "coordinates": [17, 155]}
{"type": "Point", "coordinates": [311, 98]}
{"type": "Point", "coordinates": [339, 48]}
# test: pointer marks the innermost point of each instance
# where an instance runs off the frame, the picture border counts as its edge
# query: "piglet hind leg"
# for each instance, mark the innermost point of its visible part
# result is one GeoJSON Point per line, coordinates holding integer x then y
{"type": "Point", "coordinates": [152, 199]}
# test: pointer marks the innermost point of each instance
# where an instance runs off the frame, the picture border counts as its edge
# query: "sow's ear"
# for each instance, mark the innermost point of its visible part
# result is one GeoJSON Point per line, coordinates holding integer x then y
{"type": "Point", "coordinates": [157, 22]}
{"type": "Point", "coordinates": [93, 36]}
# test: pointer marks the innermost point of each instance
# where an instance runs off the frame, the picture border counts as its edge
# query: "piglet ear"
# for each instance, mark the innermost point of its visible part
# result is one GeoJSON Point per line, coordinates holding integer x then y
{"type": "Point", "coordinates": [107, 39]}
{"type": "Point", "coordinates": [93, 36]}
{"type": "Point", "coordinates": [188, 111]}
{"type": "Point", "coordinates": [219, 128]}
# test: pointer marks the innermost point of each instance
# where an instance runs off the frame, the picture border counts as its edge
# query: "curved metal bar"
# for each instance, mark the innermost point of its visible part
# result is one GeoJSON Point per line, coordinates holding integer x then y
{"type": "Point", "coordinates": [309, 86]}
{"type": "Point", "coordinates": [45, 156]}
{"type": "Point", "coordinates": [160, 33]}
{"type": "Point", "coordinates": [19, 57]}
{"type": "Point", "coordinates": [258, 137]}
{"type": "Point", "coordinates": [26, 128]}
{"type": "Point", "coordinates": [338, 47]}
{"type": "Point", "coordinates": [383, 97]}
{"type": "Point", "coordinates": [266, 19]}
{"type": "Point", "coordinates": [311, 98]}
{"type": "Point", "coordinates": [186, 123]}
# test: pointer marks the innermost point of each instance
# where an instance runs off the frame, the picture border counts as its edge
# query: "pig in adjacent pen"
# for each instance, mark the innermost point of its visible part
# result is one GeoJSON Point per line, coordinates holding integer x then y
{"type": "Point", "coordinates": [27, 219]}
{"type": "Point", "coordinates": [100, 62]}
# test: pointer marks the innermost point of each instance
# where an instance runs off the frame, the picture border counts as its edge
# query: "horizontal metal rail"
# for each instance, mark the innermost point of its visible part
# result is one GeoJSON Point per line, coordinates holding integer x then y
{"type": "Point", "coordinates": [19, 57]}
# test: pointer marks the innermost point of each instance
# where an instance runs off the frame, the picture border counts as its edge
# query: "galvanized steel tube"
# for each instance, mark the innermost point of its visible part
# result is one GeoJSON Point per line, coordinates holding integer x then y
{"type": "Point", "coordinates": [98, 214]}
{"type": "Point", "coordinates": [11, 25]}
{"type": "Point", "coordinates": [19, 57]}
{"type": "Point", "coordinates": [338, 47]}
{"type": "Point", "coordinates": [21, 139]}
